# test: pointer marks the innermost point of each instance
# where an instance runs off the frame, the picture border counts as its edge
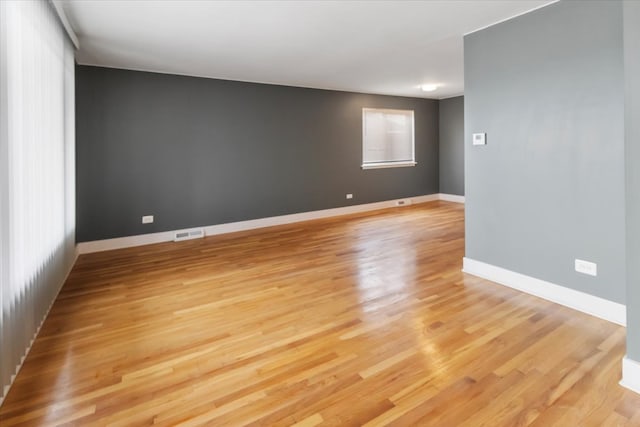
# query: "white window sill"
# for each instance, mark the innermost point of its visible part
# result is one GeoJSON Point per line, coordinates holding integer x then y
{"type": "Point", "coordinates": [388, 165]}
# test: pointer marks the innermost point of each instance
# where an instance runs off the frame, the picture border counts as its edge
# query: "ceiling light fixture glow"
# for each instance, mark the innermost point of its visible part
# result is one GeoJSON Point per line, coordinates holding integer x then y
{"type": "Point", "coordinates": [429, 87]}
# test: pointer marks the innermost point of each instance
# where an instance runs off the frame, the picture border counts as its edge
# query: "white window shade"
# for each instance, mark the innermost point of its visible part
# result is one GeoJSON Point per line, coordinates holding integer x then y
{"type": "Point", "coordinates": [37, 170]}
{"type": "Point", "coordinates": [388, 138]}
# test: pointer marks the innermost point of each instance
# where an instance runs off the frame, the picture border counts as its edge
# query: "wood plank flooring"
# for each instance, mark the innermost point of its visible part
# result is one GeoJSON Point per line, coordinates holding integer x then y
{"type": "Point", "coordinates": [359, 320]}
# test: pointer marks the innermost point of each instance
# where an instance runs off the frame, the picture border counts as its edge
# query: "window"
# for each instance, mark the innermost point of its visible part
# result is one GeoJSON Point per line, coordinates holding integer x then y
{"type": "Point", "coordinates": [387, 138]}
{"type": "Point", "coordinates": [37, 172]}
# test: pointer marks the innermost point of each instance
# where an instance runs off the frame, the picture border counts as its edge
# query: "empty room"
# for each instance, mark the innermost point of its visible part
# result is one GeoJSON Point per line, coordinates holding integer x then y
{"type": "Point", "coordinates": [314, 213]}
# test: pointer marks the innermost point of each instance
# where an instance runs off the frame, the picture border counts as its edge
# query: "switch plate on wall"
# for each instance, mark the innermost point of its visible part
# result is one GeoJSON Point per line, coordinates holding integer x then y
{"type": "Point", "coordinates": [349, 196]}
{"type": "Point", "coordinates": [479, 139]}
{"type": "Point", "coordinates": [147, 219]}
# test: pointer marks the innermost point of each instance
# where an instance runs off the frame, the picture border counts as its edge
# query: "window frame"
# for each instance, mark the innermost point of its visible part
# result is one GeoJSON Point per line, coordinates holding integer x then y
{"type": "Point", "coordinates": [389, 163]}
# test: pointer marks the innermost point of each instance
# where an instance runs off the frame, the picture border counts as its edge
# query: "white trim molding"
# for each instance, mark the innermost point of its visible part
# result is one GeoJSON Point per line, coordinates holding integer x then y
{"type": "Point", "coordinates": [211, 230]}
{"type": "Point", "coordinates": [382, 165]}
{"type": "Point", "coordinates": [630, 374]}
{"type": "Point", "coordinates": [589, 304]}
{"type": "Point", "coordinates": [511, 17]}
{"type": "Point", "coordinates": [451, 198]}
{"type": "Point", "coordinates": [59, 8]}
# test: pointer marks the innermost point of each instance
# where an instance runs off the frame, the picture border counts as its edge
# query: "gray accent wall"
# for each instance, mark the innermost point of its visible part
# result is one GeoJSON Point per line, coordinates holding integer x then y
{"type": "Point", "coordinates": [547, 88]}
{"type": "Point", "coordinates": [451, 142]}
{"type": "Point", "coordinates": [196, 152]}
{"type": "Point", "coordinates": [632, 148]}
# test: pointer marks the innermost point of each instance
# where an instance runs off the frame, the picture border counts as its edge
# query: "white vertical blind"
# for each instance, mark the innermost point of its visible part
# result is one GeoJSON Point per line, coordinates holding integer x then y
{"type": "Point", "coordinates": [388, 136]}
{"type": "Point", "coordinates": [37, 172]}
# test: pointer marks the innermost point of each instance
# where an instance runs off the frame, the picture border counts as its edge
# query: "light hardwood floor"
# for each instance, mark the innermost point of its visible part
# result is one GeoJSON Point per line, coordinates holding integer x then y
{"type": "Point", "coordinates": [365, 319]}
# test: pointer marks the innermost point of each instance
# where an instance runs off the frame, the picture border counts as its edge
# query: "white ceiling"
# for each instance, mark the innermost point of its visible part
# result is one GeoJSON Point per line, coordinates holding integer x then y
{"type": "Point", "coordinates": [383, 47]}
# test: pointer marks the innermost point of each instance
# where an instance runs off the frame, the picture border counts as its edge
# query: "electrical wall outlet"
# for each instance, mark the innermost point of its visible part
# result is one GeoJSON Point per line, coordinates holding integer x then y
{"type": "Point", "coordinates": [147, 219]}
{"type": "Point", "coordinates": [349, 196]}
{"type": "Point", "coordinates": [586, 267]}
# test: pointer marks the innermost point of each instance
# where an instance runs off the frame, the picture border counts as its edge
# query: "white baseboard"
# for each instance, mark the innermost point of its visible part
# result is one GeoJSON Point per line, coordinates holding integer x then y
{"type": "Point", "coordinates": [125, 242]}
{"type": "Point", "coordinates": [6, 389]}
{"type": "Point", "coordinates": [451, 198]}
{"type": "Point", "coordinates": [590, 304]}
{"type": "Point", "coordinates": [211, 230]}
{"type": "Point", "coordinates": [630, 374]}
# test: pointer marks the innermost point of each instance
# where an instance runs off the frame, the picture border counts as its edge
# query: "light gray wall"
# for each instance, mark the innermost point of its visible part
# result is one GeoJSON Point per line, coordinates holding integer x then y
{"type": "Point", "coordinates": [451, 142]}
{"type": "Point", "coordinates": [547, 88]}
{"type": "Point", "coordinates": [632, 156]}
{"type": "Point", "coordinates": [195, 152]}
